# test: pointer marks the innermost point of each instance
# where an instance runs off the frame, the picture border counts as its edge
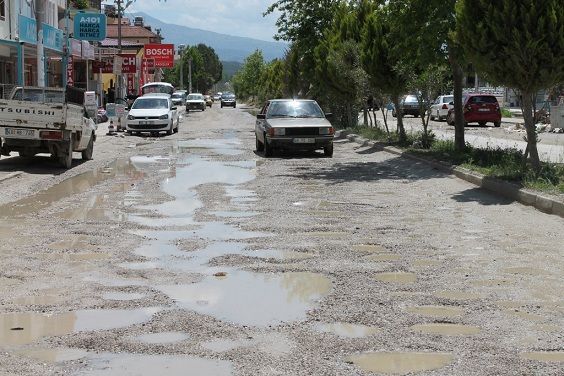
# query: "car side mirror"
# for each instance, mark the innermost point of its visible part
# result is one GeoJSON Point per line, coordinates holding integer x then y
{"type": "Point", "coordinates": [329, 115]}
{"type": "Point", "coordinates": [261, 116]}
{"type": "Point", "coordinates": [174, 108]}
{"type": "Point", "coordinates": [451, 103]}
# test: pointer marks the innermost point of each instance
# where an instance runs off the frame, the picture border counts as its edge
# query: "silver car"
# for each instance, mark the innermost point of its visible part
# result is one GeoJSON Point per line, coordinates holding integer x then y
{"type": "Point", "coordinates": [293, 124]}
{"type": "Point", "coordinates": [441, 105]}
{"type": "Point", "coordinates": [153, 113]}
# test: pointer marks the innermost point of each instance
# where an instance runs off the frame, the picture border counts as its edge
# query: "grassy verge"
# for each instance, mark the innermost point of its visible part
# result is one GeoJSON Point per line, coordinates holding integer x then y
{"type": "Point", "coordinates": [506, 113]}
{"type": "Point", "coordinates": [505, 164]}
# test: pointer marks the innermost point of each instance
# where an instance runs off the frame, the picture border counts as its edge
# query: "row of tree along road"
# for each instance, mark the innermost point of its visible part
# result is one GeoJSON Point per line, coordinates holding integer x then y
{"type": "Point", "coordinates": [341, 52]}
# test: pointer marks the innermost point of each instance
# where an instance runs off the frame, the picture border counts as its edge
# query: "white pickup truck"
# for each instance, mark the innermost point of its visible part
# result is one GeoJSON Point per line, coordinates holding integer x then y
{"type": "Point", "coordinates": [44, 120]}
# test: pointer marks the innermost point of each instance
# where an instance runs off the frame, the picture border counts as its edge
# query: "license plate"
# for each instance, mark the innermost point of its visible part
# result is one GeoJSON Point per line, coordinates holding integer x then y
{"type": "Point", "coordinates": [145, 122]}
{"type": "Point", "coordinates": [18, 132]}
{"type": "Point", "coordinates": [483, 110]}
{"type": "Point", "coordinates": [304, 140]}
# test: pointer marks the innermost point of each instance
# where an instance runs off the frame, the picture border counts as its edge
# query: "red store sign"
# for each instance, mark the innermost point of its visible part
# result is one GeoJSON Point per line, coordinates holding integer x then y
{"type": "Point", "coordinates": [128, 65]}
{"type": "Point", "coordinates": [163, 54]}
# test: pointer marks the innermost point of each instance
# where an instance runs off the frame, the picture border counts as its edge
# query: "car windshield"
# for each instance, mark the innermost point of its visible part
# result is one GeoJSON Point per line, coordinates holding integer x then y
{"type": "Point", "coordinates": [410, 98]}
{"type": "Point", "coordinates": [195, 97]}
{"type": "Point", "coordinates": [448, 99]}
{"type": "Point", "coordinates": [228, 96]}
{"type": "Point", "coordinates": [177, 96]}
{"type": "Point", "coordinates": [158, 88]}
{"type": "Point", "coordinates": [294, 109]}
{"type": "Point", "coordinates": [150, 103]}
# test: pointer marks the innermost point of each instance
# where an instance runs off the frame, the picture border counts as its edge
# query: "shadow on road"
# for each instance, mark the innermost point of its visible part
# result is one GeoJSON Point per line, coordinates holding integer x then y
{"type": "Point", "coordinates": [38, 165]}
{"type": "Point", "coordinates": [482, 197]}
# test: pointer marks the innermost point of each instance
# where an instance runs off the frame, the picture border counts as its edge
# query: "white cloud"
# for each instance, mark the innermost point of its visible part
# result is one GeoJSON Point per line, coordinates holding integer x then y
{"type": "Point", "coordinates": [234, 17]}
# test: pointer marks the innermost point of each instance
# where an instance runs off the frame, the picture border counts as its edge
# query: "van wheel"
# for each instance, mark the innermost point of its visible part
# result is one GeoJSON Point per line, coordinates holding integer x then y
{"type": "Point", "coordinates": [169, 131]}
{"type": "Point", "coordinates": [87, 153]}
{"type": "Point", "coordinates": [497, 124]}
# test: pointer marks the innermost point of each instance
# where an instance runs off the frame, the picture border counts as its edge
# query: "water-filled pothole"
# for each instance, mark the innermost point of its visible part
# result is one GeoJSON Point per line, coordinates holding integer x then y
{"type": "Point", "coordinates": [54, 355]}
{"type": "Point", "coordinates": [383, 257]}
{"type": "Point", "coordinates": [33, 326]}
{"type": "Point", "coordinates": [347, 330]}
{"type": "Point", "coordinates": [371, 248]}
{"type": "Point", "coordinates": [446, 329]}
{"type": "Point", "coordinates": [400, 363]}
{"type": "Point", "coordinates": [162, 338]}
{"type": "Point", "coordinates": [436, 311]}
{"type": "Point", "coordinates": [150, 365]}
{"type": "Point", "coordinates": [252, 299]}
{"type": "Point", "coordinates": [396, 277]}
{"type": "Point", "coordinates": [544, 356]}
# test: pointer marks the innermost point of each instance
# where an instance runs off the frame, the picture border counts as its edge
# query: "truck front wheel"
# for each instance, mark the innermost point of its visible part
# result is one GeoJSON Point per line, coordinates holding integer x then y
{"type": "Point", "coordinates": [87, 153]}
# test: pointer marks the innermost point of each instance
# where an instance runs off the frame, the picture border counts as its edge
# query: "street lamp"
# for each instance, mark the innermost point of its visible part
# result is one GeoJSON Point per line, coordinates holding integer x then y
{"type": "Point", "coordinates": [181, 48]}
{"type": "Point", "coordinates": [120, 10]}
{"type": "Point", "coordinates": [190, 74]}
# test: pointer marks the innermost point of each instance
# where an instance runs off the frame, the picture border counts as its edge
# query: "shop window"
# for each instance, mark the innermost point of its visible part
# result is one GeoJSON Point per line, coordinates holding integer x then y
{"type": "Point", "coordinates": [2, 10]}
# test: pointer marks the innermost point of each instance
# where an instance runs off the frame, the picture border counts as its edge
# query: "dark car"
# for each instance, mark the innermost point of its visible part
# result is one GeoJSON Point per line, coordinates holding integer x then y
{"type": "Point", "coordinates": [478, 108]}
{"type": "Point", "coordinates": [293, 124]}
{"type": "Point", "coordinates": [409, 105]}
{"type": "Point", "coordinates": [228, 99]}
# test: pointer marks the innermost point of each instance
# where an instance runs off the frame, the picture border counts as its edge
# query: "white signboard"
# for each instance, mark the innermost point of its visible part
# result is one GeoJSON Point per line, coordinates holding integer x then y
{"type": "Point", "coordinates": [90, 99]}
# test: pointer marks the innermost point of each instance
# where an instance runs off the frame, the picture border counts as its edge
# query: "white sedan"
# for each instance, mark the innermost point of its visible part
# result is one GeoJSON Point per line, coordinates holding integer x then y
{"type": "Point", "coordinates": [153, 113]}
{"type": "Point", "coordinates": [441, 105]}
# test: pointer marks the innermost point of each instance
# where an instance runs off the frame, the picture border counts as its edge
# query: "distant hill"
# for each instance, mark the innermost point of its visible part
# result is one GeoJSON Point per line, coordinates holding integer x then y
{"type": "Point", "coordinates": [227, 47]}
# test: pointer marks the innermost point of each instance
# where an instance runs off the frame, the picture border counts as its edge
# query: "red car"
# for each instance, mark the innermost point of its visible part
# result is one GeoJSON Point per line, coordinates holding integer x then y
{"type": "Point", "coordinates": [478, 108]}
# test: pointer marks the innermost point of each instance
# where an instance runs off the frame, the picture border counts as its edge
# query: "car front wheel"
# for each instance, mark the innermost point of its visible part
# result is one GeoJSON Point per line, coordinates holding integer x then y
{"type": "Point", "coordinates": [259, 145]}
{"type": "Point", "coordinates": [328, 150]}
{"type": "Point", "coordinates": [268, 152]}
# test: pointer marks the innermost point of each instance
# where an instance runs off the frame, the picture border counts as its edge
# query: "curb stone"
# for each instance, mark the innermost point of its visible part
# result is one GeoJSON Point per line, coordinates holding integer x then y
{"type": "Point", "coordinates": [540, 202]}
{"type": "Point", "coordinates": [10, 176]}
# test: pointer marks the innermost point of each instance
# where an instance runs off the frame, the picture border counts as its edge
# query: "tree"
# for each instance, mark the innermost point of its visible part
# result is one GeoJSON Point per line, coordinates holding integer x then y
{"type": "Point", "coordinates": [272, 81]}
{"type": "Point", "coordinates": [380, 61]}
{"type": "Point", "coordinates": [518, 44]}
{"type": "Point", "coordinates": [247, 81]}
{"type": "Point", "coordinates": [425, 34]}
{"type": "Point", "coordinates": [302, 23]}
{"type": "Point", "coordinates": [212, 68]}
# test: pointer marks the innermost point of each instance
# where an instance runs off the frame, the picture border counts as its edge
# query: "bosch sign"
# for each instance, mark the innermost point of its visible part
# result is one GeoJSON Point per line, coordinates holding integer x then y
{"type": "Point", "coordinates": [162, 54]}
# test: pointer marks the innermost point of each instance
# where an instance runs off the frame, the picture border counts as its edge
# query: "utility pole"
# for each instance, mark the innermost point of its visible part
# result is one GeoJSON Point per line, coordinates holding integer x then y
{"type": "Point", "coordinates": [189, 74]}
{"type": "Point", "coordinates": [180, 52]}
{"type": "Point", "coordinates": [40, 52]}
{"type": "Point", "coordinates": [118, 91]}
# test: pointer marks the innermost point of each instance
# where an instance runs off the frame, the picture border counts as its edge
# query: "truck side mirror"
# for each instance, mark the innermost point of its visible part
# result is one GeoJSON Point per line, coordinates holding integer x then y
{"type": "Point", "coordinates": [261, 116]}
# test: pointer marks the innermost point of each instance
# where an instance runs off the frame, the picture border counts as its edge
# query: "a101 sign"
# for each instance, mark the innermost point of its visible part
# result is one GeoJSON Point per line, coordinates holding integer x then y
{"type": "Point", "coordinates": [162, 54]}
{"type": "Point", "coordinates": [90, 26]}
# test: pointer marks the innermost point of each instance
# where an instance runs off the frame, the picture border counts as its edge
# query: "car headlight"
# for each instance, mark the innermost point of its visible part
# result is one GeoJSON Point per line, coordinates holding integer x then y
{"type": "Point", "coordinates": [326, 131]}
{"type": "Point", "coordinates": [163, 117]}
{"type": "Point", "coordinates": [277, 131]}
{"type": "Point", "coordinates": [130, 117]}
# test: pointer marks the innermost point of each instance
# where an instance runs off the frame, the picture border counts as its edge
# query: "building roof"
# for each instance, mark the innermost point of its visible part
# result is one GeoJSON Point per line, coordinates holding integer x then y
{"type": "Point", "coordinates": [128, 31]}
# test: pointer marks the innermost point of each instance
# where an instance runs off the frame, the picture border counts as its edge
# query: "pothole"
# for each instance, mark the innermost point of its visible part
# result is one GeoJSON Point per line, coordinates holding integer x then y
{"type": "Point", "coordinates": [446, 329]}
{"type": "Point", "coordinates": [544, 356]}
{"type": "Point", "coordinates": [436, 311]}
{"type": "Point", "coordinates": [54, 355]}
{"type": "Point", "coordinates": [383, 257]}
{"type": "Point", "coordinates": [401, 363]}
{"type": "Point", "coordinates": [347, 330]}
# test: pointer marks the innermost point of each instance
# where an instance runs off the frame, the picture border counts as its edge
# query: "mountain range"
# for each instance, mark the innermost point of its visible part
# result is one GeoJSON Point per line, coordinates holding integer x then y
{"type": "Point", "coordinates": [227, 47]}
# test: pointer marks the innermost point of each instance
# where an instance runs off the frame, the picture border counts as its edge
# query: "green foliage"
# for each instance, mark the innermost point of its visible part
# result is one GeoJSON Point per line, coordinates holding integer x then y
{"type": "Point", "coordinates": [272, 81]}
{"type": "Point", "coordinates": [206, 69]}
{"type": "Point", "coordinates": [79, 4]}
{"type": "Point", "coordinates": [247, 81]}
{"type": "Point", "coordinates": [519, 44]}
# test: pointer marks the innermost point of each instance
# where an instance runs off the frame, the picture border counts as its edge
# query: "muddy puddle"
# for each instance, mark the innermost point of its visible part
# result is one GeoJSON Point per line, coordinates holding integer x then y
{"type": "Point", "coordinates": [151, 365]}
{"type": "Point", "coordinates": [94, 209]}
{"type": "Point", "coordinates": [396, 277]}
{"type": "Point", "coordinates": [446, 329]}
{"type": "Point", "coordinates": [74, 185]}
{"type": "Point", "coordinates": [544, 356]}
{"type": "Point", "coordinates": [436, 311]}
{"type": "Point", "coordinates": [272, 344]}
{"type": "Point", "coordinates": [227, 146]}
{"type": "Point", "coordinates": [370, 248]}
{"type": "Point", "coordinates": [235, 214]}
{"type": "Point", "coordinates": [41, 300]}
{"type": "Point", "coordinates": [457, 295]}
{"type": "Point", "coordinates": [58, 355]}
{"type": "Point", "coordinates": [162, 338]}
{"type": "Point", "coordinates": [383, 257]}
{"type": "Point", "coordinates": [347, 330]}
{"type": "Point", "coordinates": [28, 327]}
{"type": "Point", "coordinates": [400, 363]}
{"type": "Point", "coordinates": [252, 299]}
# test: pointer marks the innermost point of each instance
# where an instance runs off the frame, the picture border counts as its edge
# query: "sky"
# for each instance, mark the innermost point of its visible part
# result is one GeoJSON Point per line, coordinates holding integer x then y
{"type": "Point", "coordinates": [234, 17]}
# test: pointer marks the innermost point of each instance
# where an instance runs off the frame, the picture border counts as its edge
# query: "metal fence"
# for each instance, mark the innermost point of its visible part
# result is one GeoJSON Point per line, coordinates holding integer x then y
{"type": "Point", "coordinates": [5, 90]}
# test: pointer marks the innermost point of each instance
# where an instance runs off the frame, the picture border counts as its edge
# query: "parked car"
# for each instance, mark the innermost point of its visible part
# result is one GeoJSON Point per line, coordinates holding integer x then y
{"type": "Point", "coordinates": [293, 124]}
{"type": "Point", "coordinates": [228, 99]}
{"type": "Point", "coordinates": [195, 101]}
{"type": "Point", "coordinates": [409, 105]}
{"type": "Point", "coordinates": [209, 100]}
{"type": "Point", "coordinates": [440, 107]}
{"type": "Point", "coordinates": [153, 113]}
{"type": "Point", "coordinates": [478, 108]}
{"type": "Point", "coordinates": [179, 98]}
